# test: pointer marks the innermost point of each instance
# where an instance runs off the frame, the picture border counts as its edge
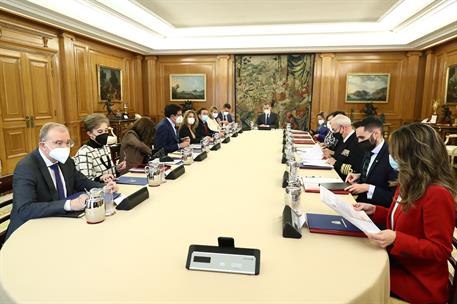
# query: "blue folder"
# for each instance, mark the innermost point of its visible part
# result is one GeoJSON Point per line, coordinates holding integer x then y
{"type": "Point", "coordinates": [331, 224]}
{"type": "Point", "coordinates": [128, 180]}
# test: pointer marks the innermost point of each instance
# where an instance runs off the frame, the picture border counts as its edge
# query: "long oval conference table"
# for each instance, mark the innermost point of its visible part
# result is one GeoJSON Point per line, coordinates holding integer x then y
{"type": "Point", "coordinates": [139, 256]}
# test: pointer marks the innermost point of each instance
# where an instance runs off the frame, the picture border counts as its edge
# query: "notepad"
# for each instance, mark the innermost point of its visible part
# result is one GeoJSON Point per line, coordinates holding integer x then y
{"type": "Point", "coordinates": [128, 180]}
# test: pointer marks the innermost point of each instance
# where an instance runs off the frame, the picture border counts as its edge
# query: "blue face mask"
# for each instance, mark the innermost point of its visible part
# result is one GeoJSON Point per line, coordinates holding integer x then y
{"type": "Point", "coordinates": [393, 163]}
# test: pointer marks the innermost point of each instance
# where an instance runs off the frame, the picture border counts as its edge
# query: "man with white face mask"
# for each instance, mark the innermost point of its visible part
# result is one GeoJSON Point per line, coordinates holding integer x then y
{"type": "Point", "coordinates": [267, 118]}
{"type": "Point", "coordinates": [167, 136]}
{"type": "Point", "coordinates": [45, 180]}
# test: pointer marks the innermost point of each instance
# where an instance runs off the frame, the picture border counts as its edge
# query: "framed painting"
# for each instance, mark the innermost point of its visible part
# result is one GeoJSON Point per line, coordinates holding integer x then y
{"type": "Point", "coordinates": [451, 85]}
{"type": "Point", "coordinates": [367, 87]}
{"type": "Point", "coordinates": [187, 87]}
{"type": "Point", "coordinates": [109, 83]}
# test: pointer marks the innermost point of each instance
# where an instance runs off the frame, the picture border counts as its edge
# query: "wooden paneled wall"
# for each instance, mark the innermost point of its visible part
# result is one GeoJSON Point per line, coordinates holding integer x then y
{"type": "Point", "coordinates": [219, 80]}
{"type": "Point", "coordinates": [329, 92]}
{"type": "Point", "coordinates": [47, 74]}
{"type": "Point", "coordinates": [80, 58]}
{"type": "Point", "coordinates": [438, 60]}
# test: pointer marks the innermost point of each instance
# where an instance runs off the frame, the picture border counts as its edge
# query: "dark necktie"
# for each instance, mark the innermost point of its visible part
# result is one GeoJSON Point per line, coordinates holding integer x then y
{"type": "Point", "coordinates": [266, 119]}
{"type": "Point", "coordinates": [365, 164]}
{"type": "Point", "coordinates": [59, 184]}
{"type": "Point", "coordinates": [206, 128]}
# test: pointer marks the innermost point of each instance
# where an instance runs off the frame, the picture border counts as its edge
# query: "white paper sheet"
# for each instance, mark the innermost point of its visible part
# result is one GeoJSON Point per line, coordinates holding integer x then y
{"type": "Point", "coordinates": [312, 154]}
{"type": "Point", "coordinates": [358, 218]}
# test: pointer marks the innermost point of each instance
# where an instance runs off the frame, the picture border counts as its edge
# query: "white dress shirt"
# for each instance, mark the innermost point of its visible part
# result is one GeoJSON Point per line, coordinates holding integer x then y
{"type": "Point", "coordinates": [375, 152]}
{"type": "Point", "coordinates": [49, 163]}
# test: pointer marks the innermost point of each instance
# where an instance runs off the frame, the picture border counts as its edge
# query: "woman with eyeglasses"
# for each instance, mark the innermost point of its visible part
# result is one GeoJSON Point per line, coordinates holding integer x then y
{"type": "Point", "coordinates": [93, 159]}
{"type": "Point", "coordinates": [421, 220]}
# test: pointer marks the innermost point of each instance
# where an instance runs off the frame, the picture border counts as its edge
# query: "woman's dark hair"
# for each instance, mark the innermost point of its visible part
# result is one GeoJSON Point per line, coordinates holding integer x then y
{"type": "Point", "coordinates": [227, 106]}
{"type": "Point", "coordinates": [144, 127]}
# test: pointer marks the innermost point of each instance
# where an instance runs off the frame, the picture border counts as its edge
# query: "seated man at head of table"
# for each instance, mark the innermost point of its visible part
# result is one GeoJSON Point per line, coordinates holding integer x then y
{"type": "Point", "coordinates": [45, 179]}
{"type": "Point", "coordinates": [268, 118]}
{"type": "Point", "coordinates": [348, 154]}
{"type": "Point", "coordinates": [376, 182]}
{"type": "Point", "coordinates": [167, 135]}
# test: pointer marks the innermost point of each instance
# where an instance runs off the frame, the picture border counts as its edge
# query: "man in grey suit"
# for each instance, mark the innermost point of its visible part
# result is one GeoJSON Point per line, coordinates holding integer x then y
{"type": "Point", "coordinates": [46, 182]}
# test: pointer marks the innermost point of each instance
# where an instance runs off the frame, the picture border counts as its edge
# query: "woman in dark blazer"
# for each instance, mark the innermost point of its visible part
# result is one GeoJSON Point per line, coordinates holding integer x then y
{"type": "Point", "coordinates": [420, 222]}
{"type": "Point", "coordinates": [137, 142]}
{"type": "Point", "coordinates": [188, 127]}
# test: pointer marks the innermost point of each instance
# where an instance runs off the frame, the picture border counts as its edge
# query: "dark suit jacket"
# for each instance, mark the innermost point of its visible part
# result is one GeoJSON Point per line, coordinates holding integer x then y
{"type": "Point", "coordinates": [380, 174]}
{"type": "Point", "coordinates": [34, 193]}
{"type": "Point", "coordinates": [202, 131]}
{"type": "Point", "coordinates": [348, 156]}
{"type": "Point", "coordinates": [229, 117]}
{"type": "Point", "coordinates": [185, 132]}
{"type": "Point", "coordinates": [273, 120]}
{"type": "Point", "coordinates": [166, 137]}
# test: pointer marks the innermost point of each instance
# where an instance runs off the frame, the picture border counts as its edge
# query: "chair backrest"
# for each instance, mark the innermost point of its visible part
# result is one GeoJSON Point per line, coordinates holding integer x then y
{"type": "Point", "coordinates": [453, 277]}
{"type": "Point", "coordinates": [448, 137]}
{"type": "Point", "coordinates": [6, 186]}
{"type": "Point", "coordinates": [115, 152]}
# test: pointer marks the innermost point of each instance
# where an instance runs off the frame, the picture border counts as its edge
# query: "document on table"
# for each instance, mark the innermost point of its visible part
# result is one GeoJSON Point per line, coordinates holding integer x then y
{"type": "Point", "coordinates": [321, 163]}
{"type": "Point", "coordinates": [312, 154]}
{"type": "Point", "coordinates": [358, 218]}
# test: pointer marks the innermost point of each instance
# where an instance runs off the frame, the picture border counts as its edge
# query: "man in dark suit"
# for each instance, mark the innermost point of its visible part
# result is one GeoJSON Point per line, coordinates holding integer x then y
{"type": "Point", "coordinates": [167, 136]}
{"type": "Point", "coordinates": [46, 182]}
{"type": "Point", "coordinates": [375, 182]}
{"type": "Point", "coordinates": [225, 117]}
{"type": "Point", "coordinates": [348, 154]}
{"type": "Point", "coordinates": [202, 128]}
{"type": "Point", "coordinates": [268, 118]}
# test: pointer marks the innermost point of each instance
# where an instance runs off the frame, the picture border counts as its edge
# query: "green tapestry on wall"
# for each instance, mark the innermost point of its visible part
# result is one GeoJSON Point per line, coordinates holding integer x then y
{"type": "Point", "coordinates": [285, 80]}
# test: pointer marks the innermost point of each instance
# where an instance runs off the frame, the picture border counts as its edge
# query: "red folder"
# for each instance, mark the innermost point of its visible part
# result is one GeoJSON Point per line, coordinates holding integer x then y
{"type": "Point", "coordinates": [304, 141]}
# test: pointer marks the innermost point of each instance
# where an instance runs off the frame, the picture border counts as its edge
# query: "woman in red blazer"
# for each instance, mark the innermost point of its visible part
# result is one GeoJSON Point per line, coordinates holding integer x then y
{"type": "Point", "coordinates": [421, 220]}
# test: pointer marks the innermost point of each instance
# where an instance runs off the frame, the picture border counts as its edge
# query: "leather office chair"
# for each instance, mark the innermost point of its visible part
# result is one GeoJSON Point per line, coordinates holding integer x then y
{"type": "Point", "coordinates": [115, 152]}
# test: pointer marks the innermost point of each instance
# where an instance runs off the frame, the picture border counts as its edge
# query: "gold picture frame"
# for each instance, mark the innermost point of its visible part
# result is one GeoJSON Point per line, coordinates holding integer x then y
{"type": "Point", "coordinates": [450, 92]}
{"type": "Point", "coordinates": [188, 87]}
{"type": "Point", "coordinates": [367, 87]}
{"type": "Point", "coordinates": [109, 81]}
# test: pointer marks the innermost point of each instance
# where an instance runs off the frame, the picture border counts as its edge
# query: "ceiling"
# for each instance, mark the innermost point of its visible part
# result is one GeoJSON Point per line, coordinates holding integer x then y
{"type": "Point", "coordinates": [185, 13]}
{"type": "Point", "coordinates": [249, 26]}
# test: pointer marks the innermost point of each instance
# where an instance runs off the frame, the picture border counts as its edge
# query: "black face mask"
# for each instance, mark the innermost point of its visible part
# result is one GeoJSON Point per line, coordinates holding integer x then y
{"type": "Point", "coordinates": [102, 139]}
{"type": "Point", "coordinates": [367, 145]}
{"type": "Point", "coordinates": [338, 136]}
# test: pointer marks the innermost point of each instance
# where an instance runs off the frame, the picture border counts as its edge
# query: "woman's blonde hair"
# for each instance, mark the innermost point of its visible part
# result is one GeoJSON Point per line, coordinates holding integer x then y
{"type": "Point", "coordinates": [193, 128]}
{"type": "Point", "coordinates": [211, 110]}
{"type": "Point", "coordinates": [423, 161]}
{"type": "Point", "coordinates": [94, 120]}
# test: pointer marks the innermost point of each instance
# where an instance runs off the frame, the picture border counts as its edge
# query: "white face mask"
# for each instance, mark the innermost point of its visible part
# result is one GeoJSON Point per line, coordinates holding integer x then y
{"type": "Point", "coordinates": [225, 113]}
{"type": "Point", "coordinates": [320, 121]}
{"type": "Point", "coordinates": [329, 126]}
{"type": "Point", "coordinates": [214, 115]}
{"type": "Point", "coordinates": [60, 154]}
{"type": "Point", "coordinates": [179, 119]}
{"type": "Point", "coordinates": [190, 120]}
{"type": "Point", "coordinates": [205, 118]}
{"type": "Point", "coordinates": [266, 111]}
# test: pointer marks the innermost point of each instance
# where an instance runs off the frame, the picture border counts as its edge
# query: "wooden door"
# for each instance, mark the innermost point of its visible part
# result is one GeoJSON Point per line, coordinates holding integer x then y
{"type": "Point", "coordinates": [14, 130]}
{"type": "Point", "coordinates": [42, 98]}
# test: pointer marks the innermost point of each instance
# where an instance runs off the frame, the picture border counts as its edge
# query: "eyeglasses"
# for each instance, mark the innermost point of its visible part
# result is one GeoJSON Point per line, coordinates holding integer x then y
{"type": "Point", "coordinates": [61, 143]}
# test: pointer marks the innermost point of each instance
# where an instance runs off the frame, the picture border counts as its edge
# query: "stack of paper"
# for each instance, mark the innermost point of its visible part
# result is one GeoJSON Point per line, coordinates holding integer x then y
{"type": "Point", "coordinates": [311, 154]}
